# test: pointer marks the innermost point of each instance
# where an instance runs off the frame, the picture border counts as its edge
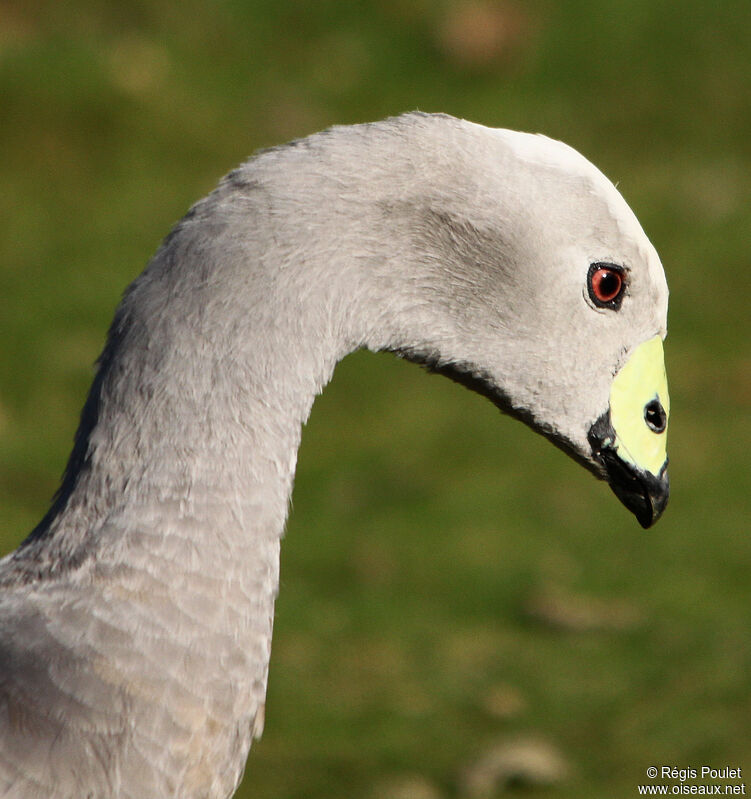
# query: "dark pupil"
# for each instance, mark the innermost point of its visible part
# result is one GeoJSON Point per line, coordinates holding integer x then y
{"type": "Point", "coordinates": [654, 415]}
{"type": "Point", "coordinates": [610, 282]}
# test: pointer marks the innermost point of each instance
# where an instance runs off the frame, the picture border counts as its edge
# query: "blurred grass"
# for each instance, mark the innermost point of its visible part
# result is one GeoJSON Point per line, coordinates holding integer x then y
{"type": "Point", "coordinates": [424, 525]}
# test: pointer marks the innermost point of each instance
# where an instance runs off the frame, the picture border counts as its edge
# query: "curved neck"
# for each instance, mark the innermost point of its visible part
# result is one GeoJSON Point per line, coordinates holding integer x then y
{"type": "Point", "coordinates": [168, 523]}
{"type": "Point", "coordinates": [185, 425]}
{"type": "Point", "coordinates": [219, 348]}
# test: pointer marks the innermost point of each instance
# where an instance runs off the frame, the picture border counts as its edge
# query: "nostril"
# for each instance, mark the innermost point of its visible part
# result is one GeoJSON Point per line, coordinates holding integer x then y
{"type": "Point", "coordinates": [655, 416]}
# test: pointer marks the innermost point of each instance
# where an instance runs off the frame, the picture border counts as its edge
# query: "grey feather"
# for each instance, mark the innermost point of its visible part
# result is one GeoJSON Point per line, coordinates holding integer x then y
{"type": "Point", "coordinates": [136, 619]}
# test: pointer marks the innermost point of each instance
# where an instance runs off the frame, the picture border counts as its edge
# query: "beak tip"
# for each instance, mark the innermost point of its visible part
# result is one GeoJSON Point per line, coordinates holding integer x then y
{"type": "Point", "coordinates": [648, 519]}
{"type": "Point", "coordinates": [644, 494]}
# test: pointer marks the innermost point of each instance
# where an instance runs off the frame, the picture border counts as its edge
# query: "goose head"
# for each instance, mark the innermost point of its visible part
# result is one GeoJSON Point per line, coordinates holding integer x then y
{"type": "Point", "coordinates": [547, 297]}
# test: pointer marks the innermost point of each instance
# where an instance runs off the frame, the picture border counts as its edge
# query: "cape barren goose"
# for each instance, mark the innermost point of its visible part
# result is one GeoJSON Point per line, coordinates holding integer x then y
{"type": "Point", "coordinates": [135, 625]}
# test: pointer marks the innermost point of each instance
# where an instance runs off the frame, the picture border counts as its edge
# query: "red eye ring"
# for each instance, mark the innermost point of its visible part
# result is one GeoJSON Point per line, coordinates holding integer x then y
{"type": "Point", "coordinates": [605, 283]}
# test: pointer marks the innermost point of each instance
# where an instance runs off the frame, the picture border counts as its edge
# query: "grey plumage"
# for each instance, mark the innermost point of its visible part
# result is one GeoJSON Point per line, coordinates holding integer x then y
{"type": "Point", "coordinates": [135, 621]}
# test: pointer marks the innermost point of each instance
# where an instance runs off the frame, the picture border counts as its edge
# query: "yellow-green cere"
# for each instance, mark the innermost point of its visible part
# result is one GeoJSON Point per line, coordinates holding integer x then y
{"type": "Point", "coordinates": [641, 380]}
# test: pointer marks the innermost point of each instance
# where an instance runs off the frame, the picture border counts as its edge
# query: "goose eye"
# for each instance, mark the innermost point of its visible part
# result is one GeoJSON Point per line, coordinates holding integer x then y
{"type": "Point", "coordinates": [605, 283]}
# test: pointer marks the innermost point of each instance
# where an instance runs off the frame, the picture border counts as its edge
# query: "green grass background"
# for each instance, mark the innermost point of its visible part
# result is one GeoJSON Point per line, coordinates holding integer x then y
{"type": "Point", "coordinates": [425, 525]}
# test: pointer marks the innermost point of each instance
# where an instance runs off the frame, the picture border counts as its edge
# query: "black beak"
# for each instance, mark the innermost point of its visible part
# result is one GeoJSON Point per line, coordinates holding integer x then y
{"type": "Point", "coordinates": [644, 494]}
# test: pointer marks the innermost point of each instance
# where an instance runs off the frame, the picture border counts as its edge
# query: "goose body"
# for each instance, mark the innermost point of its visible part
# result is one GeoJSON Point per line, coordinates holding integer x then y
{"type": "Point", "coordinates": [136, 619]}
